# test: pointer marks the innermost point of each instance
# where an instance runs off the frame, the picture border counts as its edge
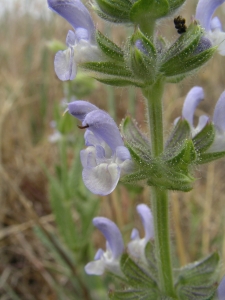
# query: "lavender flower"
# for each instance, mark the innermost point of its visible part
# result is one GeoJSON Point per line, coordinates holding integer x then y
{"type": "Point", "coordinates": [81, 43]}
{"type": "Point", "coordinates": [106, 158]}
{"type": "Point", "coordinates": [194, 97]}
{"type": "Point", "coordinates": [204, 12]}
{"type": "Point", "coordinates": [136, 247]}
{"type": "Point", "coordinates": [110, 258]}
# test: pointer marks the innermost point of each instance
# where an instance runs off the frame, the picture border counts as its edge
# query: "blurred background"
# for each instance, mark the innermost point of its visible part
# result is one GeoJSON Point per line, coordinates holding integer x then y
{"type": "Point", "coordinates": [46, 232]}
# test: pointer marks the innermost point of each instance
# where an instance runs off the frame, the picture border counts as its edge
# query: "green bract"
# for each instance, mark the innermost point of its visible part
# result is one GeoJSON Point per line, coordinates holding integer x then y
{"type": "Point", "coordinates": [147, 11]}
{"type": "Point", "coordinates": [142, 285]}
{"type": "Point", "coordinates": [116, 11]}
{"type": "Point", "coordinates": [141, 12]}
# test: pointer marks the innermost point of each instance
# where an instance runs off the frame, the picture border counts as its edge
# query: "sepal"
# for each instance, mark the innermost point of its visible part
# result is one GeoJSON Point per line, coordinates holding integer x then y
{"type": "Point", "coordinates": [180, 133]}
{"type": "Point", "coordinates": [116, 11]}
{"type": "Point", "coordinates": [208, 157]}
{"type": "Point", "coordinates": [204, 139]}
{"type": "Point", "coordinates": [134, 139]}
{"type": "Point", "coordinates": [151, 260]}
{"type": "Point", "coordinates": [108, 68]}
{"type": "Point", "coordinates": [142, 57]}
{"type": "Point", "coordinates": [120, 81]}
{"type": "Point", "coordinates": [199, 280]}
{"type": "Point", "coordinates": [183, 157]}
{"type": "Point", "coordinates": [142, 285]}
{"type": "Point", "coordinates": [188, 53]}
{"type": "Point", "coordinates": [109, 48]}
{"type": "Point", "coordinates": [155, 172]}
{"type": "Point", "coordinates": [166, 177]}
{"type": "Point", "coordinates": [180, 151]}
{"type": "Point", "coordinates": [112, 73]}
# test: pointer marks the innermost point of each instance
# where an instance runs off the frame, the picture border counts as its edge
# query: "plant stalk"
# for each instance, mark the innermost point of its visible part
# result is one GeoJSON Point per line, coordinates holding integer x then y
{"type": "Point", "coordinates": [159, 199]}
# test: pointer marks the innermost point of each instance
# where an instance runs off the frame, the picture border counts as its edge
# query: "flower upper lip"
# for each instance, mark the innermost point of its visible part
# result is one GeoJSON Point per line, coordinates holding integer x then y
{"type": "Point", "coordinates": [114, 248]}
{"type": "Point", "coordinates": [205, 10]}
{"type": "Point", "coordinates": [75, 13]}
{"type": "Point", "coordinates": [213, 28]}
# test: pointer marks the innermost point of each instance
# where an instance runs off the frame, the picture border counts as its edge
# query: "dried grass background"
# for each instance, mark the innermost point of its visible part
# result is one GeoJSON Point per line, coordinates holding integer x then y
{"type": "Point", "coordinates": [28, 91]}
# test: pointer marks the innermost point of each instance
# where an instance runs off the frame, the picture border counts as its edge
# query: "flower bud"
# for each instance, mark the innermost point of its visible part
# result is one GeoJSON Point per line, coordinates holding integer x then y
{"type": "Point", "coordinates": [142, 57]}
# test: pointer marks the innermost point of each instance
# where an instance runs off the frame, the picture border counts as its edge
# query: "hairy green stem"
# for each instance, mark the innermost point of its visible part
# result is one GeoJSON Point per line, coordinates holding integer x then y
{"type": "Point", "coordinates": [160, 207]}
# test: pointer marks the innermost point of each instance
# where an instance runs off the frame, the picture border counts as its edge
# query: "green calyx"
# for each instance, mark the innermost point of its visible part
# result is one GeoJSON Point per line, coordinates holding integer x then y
{"type": "Point", "coordinates": [187, 54]}
{"type": "Point", "coordinates": [168, 171]}
{"type": "Point", "coordinates": [142, 57]}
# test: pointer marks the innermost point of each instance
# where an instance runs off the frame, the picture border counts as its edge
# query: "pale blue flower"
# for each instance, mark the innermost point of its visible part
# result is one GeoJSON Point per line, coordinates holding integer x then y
{"type": "Point", "coordinates": [81, 43]}
{"type": "Point", "coordinates": [110, 258]}
{"type": "Point", "coordinates": [204, 12]}
{"type": "Point", "coordinates": [194, 97]}
{"type": "Point", "coordinates": [106, 158]}
{"type": "Point", "coordinates": [136, 247]}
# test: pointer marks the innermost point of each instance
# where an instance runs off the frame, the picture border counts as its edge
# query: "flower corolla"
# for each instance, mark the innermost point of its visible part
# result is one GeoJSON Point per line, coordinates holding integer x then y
{"type": "Point", "coordinates": [213, 28]}
{"type": "Point", "coordinates": [106, 158]}
{"type": "Point", "coordinates": [80, 42]}
{"type": "Point", "coordinates": [136, 247]}
{"type": "Point", "coordinates": [194, 97]}
{"type": "Point", "coordinates": [109, 259]}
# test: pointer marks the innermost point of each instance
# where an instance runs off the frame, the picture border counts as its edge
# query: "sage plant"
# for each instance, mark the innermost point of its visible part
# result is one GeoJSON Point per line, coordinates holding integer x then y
{"type": "Point", "coordinates": [146, 61]}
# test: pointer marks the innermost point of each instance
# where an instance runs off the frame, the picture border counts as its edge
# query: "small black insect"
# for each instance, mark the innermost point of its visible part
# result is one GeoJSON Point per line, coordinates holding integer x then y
{"type": "Point", "coordinates": [179, 23]}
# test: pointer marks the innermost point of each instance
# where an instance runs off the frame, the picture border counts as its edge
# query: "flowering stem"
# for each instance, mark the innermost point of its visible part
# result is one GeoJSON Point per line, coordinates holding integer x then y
{"type": "Point", "coordinates": [159, 198]}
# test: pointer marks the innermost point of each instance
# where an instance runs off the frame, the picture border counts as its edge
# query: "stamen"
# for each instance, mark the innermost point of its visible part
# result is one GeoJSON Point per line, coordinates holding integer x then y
{"type": "Point", "coordinates": [65, 111]}
{"type": "Point", "coordinates": [83, 127]}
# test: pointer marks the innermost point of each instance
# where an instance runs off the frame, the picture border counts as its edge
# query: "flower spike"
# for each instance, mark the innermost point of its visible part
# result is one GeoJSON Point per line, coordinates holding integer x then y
{"type": "Point", "coordinates": [75, 13]}
{"type": "Point", "coordinates": [109, 259]}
